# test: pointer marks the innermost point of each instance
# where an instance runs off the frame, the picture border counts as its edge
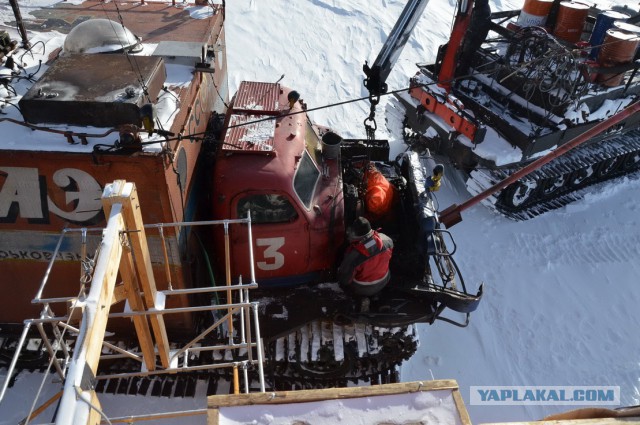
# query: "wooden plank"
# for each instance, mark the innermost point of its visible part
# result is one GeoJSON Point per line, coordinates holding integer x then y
{"type": "Point", "coordinates": [127, 194]}
{"type": "Point", "coordinates": [597, 421]}
{"type": "Point", "coordinates": [119, 294]}
{"type": "Point", "coordinates": [94, 415]}
{"type": "Point", "coordinates": [42, 408]}
{"type": "Point", "coordinates": [86, 356]}
{"type": "Point", "coordinates": [213, 417]}
{"type": "Point", "coordinates": [107, 280]}
{"type": "Point", "coordinates": [462, 409]}
{"type": "Point", "coordinates": [304, 396]}
{"type": "Point", "coordinates": [141, 323]}
{"type": "Point", "coordinates": [131, 290]}
{"type": "Point", "coordinates": [594, 412]}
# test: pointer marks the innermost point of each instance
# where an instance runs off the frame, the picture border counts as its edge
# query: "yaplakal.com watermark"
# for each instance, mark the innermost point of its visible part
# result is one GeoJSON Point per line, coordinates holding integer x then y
{"type": "Point", "coordinates": [549, 395]}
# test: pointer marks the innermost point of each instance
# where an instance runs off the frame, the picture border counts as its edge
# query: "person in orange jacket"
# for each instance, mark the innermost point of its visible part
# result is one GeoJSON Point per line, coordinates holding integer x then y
{"type": "Point", "coordinates": [364, 270]}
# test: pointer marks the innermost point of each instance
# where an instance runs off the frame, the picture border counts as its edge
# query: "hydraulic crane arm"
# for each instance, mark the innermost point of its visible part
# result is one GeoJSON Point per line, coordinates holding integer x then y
{"type": "Point", "coordinates": [450, 60]}
{"type": "Point", "coordinates": [378, 73]}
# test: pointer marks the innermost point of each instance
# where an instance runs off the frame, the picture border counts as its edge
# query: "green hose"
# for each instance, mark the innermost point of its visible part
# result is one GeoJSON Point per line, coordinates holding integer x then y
{"type": "Point", "coordinates": [209, 268]}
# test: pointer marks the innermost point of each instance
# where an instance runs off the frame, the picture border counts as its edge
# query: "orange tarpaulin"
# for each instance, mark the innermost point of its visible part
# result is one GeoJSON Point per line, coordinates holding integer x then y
{"type": "Point", "coordinates": [380, 193]}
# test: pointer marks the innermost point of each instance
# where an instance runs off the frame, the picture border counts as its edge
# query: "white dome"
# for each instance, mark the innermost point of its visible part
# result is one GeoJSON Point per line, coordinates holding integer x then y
{"type": "Point", "coordinates": [99, 36]}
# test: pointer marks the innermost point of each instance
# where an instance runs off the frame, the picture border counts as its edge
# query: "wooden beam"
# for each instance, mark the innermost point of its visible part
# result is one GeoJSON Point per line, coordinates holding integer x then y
{"type": "Point", "coordinates": [106, 282]}
{"type": "Point", "coordinates": [131, 291]}
{"type": "Point", "coordinates": [75, 311]}
{"type": "Point", "coordinates": [597, 421]}
{"type": "Point", "coordinates": [86, 356]}
{"type": "Point", "coordinates": [462, 409]}
{"type": "Point", "coordinates": [304, 396]}
{"type": "Point", "coordinates": [127, 194]}
{"type": "Point", "coordinates": [593, 413]}
{"type": "Point", "coordinates": [213, 417]}
{"type": "Point", "coordinates": [94, 414]}
{"type": "Point", "coordinates": [141, 323]}
{"type": "Point", "coordinates": [42, 408]}
{"type": "Point", "coordinates": [119, 294]}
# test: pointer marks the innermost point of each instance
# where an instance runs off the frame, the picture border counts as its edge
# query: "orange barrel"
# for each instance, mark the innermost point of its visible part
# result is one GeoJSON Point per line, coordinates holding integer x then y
{"type": "Point", "coordinates": [604, 21]}
{"type": "Point", "coordinates": [619, 47]}
{"type": "Point", "coordinates": [534, 13]}
{"type": "Point", "coordinates": [571, 19]}
{"type": "Point", "coordinates": [634, 29]}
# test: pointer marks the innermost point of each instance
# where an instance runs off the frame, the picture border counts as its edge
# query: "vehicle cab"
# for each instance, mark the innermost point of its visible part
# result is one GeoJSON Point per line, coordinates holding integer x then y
{"type": "Point", "coordinates": [270, 164]}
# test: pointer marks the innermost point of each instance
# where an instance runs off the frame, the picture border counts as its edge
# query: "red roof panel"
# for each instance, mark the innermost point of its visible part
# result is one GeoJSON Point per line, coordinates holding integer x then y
{"type": "Point", "coordinates": [256, 97]}
{"type": "Point", "coordinates": [254, 137]}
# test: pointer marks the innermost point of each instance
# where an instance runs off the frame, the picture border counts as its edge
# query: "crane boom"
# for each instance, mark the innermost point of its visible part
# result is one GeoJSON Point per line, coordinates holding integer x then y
{"type": "Point", "coordinates": [378, 73]}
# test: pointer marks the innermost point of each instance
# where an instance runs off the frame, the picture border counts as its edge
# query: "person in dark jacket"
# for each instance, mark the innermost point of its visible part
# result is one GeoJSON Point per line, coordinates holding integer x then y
{"type": "Point", "coordinates": [365, 267]}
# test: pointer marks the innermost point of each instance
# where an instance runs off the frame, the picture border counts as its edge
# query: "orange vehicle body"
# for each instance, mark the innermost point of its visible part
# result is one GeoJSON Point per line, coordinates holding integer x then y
{"type": "Point", "coordinates": [44, 191]}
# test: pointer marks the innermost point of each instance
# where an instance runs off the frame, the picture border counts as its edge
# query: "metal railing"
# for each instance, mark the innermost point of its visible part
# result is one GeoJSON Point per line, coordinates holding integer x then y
{"type": "Point", "coordinates": [246, 340]}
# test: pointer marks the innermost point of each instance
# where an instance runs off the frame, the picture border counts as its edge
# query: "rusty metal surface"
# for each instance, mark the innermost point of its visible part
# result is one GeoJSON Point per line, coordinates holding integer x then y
{"type": "Point", "coordinates": [255, 102]}
{"type": "Point", "coordinates": [94, 90]}
{"type": "Point", "coordinates": [253, 137]}
{"type": "Point", "coordinates": [153, 21]}
{"type": "Point", "coordinates": [254, 97]}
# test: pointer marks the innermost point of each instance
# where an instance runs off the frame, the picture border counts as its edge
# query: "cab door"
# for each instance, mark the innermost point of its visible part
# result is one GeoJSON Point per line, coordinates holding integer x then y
{"type": "Point", "coordinates": [280, 239]}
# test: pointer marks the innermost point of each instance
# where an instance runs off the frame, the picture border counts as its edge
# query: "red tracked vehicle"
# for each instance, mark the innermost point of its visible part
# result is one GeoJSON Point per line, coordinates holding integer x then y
{"type": "Point", "coordinates": [83, 120]}
{"type": "Point", "coordinates": [302, 185]}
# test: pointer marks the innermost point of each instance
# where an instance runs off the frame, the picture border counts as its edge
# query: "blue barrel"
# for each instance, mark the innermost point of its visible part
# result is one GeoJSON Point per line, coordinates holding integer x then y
{"type": "Point", "coordinates": [604, 21]}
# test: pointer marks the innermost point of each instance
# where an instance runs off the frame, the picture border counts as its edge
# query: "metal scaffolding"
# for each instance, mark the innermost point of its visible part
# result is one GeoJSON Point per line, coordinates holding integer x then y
{"type": "Point", "coordinates": [123, 251]}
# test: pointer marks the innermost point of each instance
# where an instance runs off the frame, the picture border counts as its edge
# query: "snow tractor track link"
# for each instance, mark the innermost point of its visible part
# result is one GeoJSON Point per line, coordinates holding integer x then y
{"type": "Point", "coordinates": [561, 181]}
{"type": "Point", "coordinates": [321, 354]}
{"type": "Point", "coordinates": [327, 351]}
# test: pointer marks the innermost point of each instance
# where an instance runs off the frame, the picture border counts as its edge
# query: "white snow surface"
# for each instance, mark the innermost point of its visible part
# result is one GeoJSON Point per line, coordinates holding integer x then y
{"type": "Point", "coordinates": [418, 407]}
{"type": "Point", "coordinates": [561, 290]}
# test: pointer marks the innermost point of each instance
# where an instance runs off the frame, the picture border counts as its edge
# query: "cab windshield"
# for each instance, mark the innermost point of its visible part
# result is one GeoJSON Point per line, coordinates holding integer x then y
{"type": "Point", "coordinates": [306, 179]}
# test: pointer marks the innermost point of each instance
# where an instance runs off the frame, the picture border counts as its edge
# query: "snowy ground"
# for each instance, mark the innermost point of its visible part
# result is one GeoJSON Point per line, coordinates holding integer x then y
{"type": "Point", "coordinates": [560, 306]}
{"type": "Point", "coordinates": [561, 290]}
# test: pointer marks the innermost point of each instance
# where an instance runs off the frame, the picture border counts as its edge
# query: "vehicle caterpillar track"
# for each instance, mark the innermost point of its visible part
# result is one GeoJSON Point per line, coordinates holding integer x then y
{"type": "Point", "coordinates": [320, 354]}
{"type": "Point", "coordinates": [325, 351]}
{"type": "Point", "coordinates": [561, 181]}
